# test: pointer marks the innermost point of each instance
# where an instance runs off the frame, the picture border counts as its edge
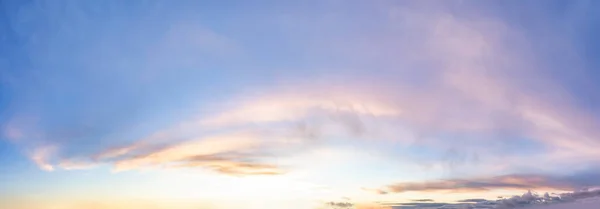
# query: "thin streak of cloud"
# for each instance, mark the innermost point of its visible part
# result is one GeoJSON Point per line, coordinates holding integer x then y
{"type": "Point", "coordinates": [483, 184]}
{"type": "Point", "coordinates": [231, 164]}
{"type": "Point", "coordinates": [473, 200]}
{"type": "Point", "coordinates": [118, 151]}
{"type": "Point", "coordinates": [421, 204]}
{"type": "Point", "coordinates": [422, 200]}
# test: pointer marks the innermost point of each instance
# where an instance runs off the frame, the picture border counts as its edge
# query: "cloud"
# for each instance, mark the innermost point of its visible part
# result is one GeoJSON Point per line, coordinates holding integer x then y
{"type": "Point", "coordinates": [348, 205]}
{"type": "Point", "coordinates": [420, 205]}
{"type": "Point", "coordinates": [291, 134]}
{"type": "Point", "coordinates": [300, 103]}
{"type": "Point", "coordinates": [239, 153]}
{"type": "Point", "coordinates": [523, 182]}
{"type": "Point", "coordinates": [339, 205]}
{"type": "Point", "coordinates": [160, 150]}
{"type": "Point", "coordinates": [41, 157]}
{"type": "Point", "coordinates": [117, 151]}
{"type": "Point", "coordinates": [188, 149]}
{"type": "Point", "coordinates": [158, 140]}
{"type": "Point", "coordinates": [581, 183]}
{"type": "Point", "coordinates": [376, 191]}
{"type": "Point", "coordinates": [72, 164]}
{"type": "Point", "coordinates": [473, 200]}
{"type": "Point", "coordinates": [439, 205]}
{"type": "Point", "coordinates": [529, 198]}
{"type": "Point", "coordinates": [238, 165]}
{"type": "Point", "coordinates": [422, 200]}
{"type": "Point", "coordinates": [519, 201]}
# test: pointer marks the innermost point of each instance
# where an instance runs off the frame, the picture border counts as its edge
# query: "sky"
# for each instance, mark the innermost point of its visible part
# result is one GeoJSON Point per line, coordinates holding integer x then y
{"type": "Point", "coordinates": [298, 104]}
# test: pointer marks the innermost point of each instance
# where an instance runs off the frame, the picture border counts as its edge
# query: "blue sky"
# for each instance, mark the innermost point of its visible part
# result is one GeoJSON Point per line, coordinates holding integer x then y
{"type": "Point", "coordinates": [272, 104]}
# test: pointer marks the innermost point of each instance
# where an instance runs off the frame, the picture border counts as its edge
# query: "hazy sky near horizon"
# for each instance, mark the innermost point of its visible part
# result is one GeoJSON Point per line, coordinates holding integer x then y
{"type": "Point", "coordinates": [292, 104]}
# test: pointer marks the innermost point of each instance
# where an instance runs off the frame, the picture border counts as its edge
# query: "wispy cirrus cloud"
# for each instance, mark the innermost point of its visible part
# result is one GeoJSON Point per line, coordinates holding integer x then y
{"type": "Point", "coordinates": [423, 200]}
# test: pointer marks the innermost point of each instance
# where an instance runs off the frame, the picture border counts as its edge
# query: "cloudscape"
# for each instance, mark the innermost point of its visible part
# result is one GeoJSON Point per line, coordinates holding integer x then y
{"type": "Point", "coordinates": [299, 104]}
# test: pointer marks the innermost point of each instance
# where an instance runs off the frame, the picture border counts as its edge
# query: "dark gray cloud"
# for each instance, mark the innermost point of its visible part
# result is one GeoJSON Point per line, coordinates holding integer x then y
{"type": "Point", "coordinates": [339, 205]}
{"type": "Point", "coordinates": [517, 201]}
{"type": "Point", "coordinates": [579, 195]}
{"type": "Point", "coordinates": [531, 198]}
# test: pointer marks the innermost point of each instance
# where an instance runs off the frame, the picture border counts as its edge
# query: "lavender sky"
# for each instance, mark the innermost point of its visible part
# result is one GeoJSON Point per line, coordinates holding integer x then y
{"type": "Point", "coordinates": [295, 104]}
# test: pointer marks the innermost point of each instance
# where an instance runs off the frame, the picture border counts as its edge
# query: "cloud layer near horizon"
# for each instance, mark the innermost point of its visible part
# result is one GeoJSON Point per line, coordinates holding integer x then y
{"type": "Point", "coordinates": [522, 182]}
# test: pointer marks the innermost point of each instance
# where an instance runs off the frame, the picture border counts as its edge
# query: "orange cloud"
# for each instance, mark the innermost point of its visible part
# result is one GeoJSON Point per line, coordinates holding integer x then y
{"type": "Point", "coordinates": [185, 150]}
{"type": "Point", "coordinates": [231, 165]}
{"type": "Point", "coordinates": [237, 154]}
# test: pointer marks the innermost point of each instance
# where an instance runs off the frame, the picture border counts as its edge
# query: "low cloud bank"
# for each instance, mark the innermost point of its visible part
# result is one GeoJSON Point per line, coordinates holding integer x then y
{"type": "Point", "coordinates": [527, 199]}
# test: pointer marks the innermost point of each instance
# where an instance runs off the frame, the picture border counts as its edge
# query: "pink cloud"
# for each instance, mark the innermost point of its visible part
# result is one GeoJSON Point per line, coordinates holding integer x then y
{"type": "Point", "coordinates": [41, 156]}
